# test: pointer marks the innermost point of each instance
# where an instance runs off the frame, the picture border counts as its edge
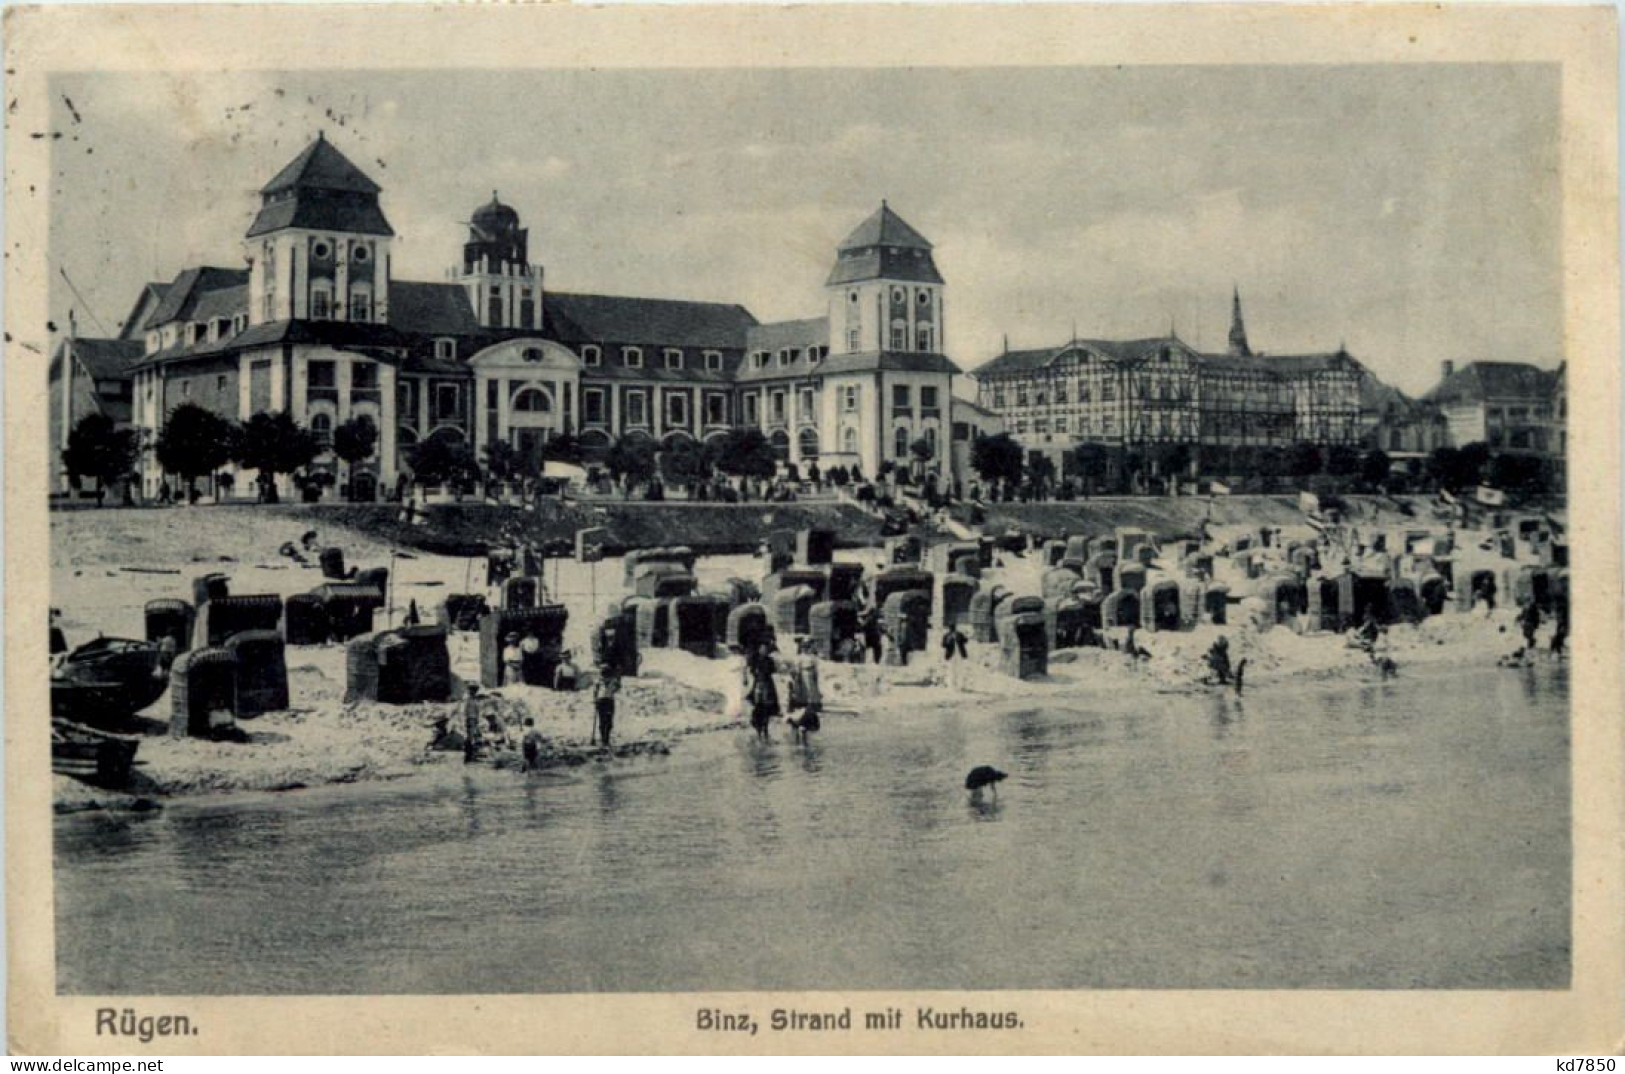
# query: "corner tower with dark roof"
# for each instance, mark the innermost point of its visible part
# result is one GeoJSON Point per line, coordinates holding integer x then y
{"type": "Point", "coordinates": [319, 248]}
{"type": "Point", "coordinates": [885, 293]}
{"type": "Point", "coordinates": [504, 288]}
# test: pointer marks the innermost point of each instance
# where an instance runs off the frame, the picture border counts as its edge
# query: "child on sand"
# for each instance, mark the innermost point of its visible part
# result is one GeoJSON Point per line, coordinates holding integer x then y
{"type": "Point", "coordinates": [532, 746]}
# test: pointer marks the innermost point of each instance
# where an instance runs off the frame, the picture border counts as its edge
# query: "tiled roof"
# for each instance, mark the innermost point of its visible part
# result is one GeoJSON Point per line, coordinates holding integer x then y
{"type": "Point", "coordinates": [910, 265]}
{"type": "Point", "coordinates": [971, 406]}
{"type": "Point", "coordinates": [226, 302]}
{"type": "Point", "coordinates": [1129, 350]}
{"type": "Point", "coordinates": [578, 318]}
{"type": "Point", "coordinates": [1027, 361]}
{"type": "Point", "coordinates": [864, 362]}
{"type": "Point", "coordinates": [1120, 350]}
{"type": "Point", "coordinates": [322, 190]}
{"type": "Point", "coordinates": [1309, 363]}
{"type": "Point", "coordinates": [182, 296]}
{"type": "Point", "coordinates": [432, 309]}
{"type": "Point", "coordinates": [421, 360]}
{"type": "Point", "coordinates": [321, 167]}
{"type": "Point", "coordinates": [107, 359]}
{"type": "Point", "coordinates": [1477, 381]}
{"type": "Point", "coordinates": [151, 297]}
{"type": "Point", "coordinates": [883, 247]}
{"type": "Point", "coordinates": [348, 335]}
{"type": "Point", "coordinates": [884, 228]}
{"type": "Point", "coordinates": [811, 332]}
{"type": "Point", "coordinates": [321, 210]}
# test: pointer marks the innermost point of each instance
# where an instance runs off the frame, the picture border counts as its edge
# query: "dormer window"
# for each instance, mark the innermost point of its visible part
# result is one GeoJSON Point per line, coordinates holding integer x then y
{"type": "Point", "coordinates": [632, 357]}
{"type": "Point", "coordinates": [445, 349]}
{"type": "Point", "coordinates": [786, 355]}
{"type": "Point", "coordinates": [713, 361]}
{"type": "Point", "coordinates": [153, 342]}
{"type": "Point", "coordinates": [199, 333]}
{"type": "Point", "coordinates": [758, 360]}
{"type": "Point", "coordinates": [591, 355]}
{"type": "Point", "coordinates": [239, 322]}
{"type": "Point", "coordinates": [674, 358]}
{"type": "Point", "coordinates": [815, 355]}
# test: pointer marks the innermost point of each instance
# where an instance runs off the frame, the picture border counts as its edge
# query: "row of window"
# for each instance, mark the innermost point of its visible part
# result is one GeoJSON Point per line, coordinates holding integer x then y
{"type": "Point", "coordinates": [786, 356]}
{"type": "Point", "coordinates": [1518, 413]}
{"type": "Point", "coordinates": [902, 396]}
{"type": "Point", "coordinates": [592, 356]}
{"type": "Point", "coordinates": [322, 307]}
{"type": "Point", "coordinates": [1064, 425]}
{"type": "Point", "coordinates": [595, 408]}
{"type": "Point", "coordinates": [1023, 396]}
{"type": "Point", "coordinates": [322, 374]}
{"type": "Point", "coordinates": [197, 332]}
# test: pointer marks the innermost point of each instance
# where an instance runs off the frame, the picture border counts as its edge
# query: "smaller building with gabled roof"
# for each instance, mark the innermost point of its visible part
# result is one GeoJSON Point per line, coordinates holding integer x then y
{"type": "Point", "coordinates": [1507, 405]}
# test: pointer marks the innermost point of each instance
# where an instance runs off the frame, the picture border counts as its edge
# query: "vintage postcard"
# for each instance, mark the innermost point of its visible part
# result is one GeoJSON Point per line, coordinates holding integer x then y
{"type": "Point", "coordinates": [820, 529]}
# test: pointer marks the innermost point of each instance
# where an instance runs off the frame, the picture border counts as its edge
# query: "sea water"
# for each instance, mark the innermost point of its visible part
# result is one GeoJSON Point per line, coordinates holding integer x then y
{"type": "Point", "coordinates": [1410, 834]}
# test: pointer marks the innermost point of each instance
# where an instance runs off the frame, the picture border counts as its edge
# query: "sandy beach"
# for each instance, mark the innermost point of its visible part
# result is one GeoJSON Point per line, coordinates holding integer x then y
{"type": "Point", "coordinates": [322, 740]}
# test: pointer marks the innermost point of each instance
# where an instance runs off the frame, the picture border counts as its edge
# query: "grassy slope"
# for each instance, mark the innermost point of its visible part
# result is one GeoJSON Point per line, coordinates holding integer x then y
{"type": "Point", "coordinates": [467, 529]}
{"type": "Point", "coordinates": [1164, 517]}
{"type": "Point", "coordinates": [84, 538]}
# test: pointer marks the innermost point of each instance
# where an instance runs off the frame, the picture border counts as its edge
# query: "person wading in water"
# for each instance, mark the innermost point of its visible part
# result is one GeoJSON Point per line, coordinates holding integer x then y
{"type": "Point", "coordinates": [603, 700]}
{"type": "Point", "coordinates": [764, 695]}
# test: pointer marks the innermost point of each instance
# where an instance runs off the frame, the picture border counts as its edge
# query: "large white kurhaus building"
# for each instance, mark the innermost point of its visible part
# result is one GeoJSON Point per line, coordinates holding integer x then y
{"type": "Point", "coordinates": [319, 326]}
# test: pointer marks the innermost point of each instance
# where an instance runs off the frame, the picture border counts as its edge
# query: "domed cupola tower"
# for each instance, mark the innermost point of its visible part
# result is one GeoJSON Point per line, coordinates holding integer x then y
{"type": "Point", "coordinates": [504, 288]}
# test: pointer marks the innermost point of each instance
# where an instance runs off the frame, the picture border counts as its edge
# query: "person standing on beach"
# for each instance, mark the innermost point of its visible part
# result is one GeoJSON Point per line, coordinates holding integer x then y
{"type": "Point", "coordinates": [871, 634]}
{"type": "Point", "coordinates": [1529, 621]}
{"type": "Point", "coordinates": [564, 676]}
{"type": "Point", "coordinates": [59, 640]}
{"type": "Point", "coordinates": [530, 655]}
{"type": "Point", "coordinates": [471, 724]}
{"type": "Point", "coordinates": [603, 700]}
{"type": "Point", "coordinates": [513, 661]}
{"type": "Point", "coordinates": [1560, 633]}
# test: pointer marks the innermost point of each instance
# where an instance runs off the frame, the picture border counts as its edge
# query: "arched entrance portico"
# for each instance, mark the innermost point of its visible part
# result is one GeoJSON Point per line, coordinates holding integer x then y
{"type": "Point", "coordinates": [526, 393]}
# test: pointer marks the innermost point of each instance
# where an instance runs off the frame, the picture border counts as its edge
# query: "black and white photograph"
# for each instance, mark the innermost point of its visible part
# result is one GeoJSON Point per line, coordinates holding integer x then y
{"type": "Point", "coordinates": [809, 528]}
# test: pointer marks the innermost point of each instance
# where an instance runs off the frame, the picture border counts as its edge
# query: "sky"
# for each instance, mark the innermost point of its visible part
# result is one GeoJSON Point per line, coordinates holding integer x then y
{"type": "Point", "coordinates": [1410, 213]}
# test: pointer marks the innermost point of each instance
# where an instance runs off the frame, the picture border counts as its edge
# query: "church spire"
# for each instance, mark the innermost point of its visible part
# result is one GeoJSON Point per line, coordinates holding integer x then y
{"type": "Point", "coordinates": [1238, 330]}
